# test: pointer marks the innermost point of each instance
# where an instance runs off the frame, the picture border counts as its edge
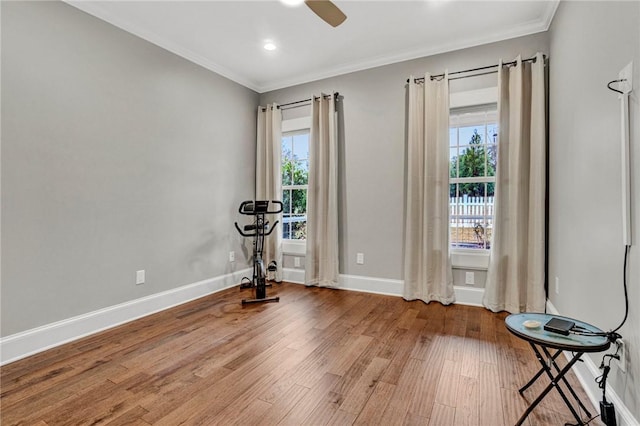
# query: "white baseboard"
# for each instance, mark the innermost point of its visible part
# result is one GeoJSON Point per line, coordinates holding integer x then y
{"type": "Point", "coordinates": [352, 282]}
{"type": "Point", "coordinates": [384, 286]}
{"type": "Point", "coordinates": [30, 342]}
{"type": "Point", "coordinates": [464, 295]}
{"type": "Point", "coordinates": [295, 276]}
{"type": "Point", "coordinates": [468, 295]}
{"type": "Point", "coordinates": [586, 372]}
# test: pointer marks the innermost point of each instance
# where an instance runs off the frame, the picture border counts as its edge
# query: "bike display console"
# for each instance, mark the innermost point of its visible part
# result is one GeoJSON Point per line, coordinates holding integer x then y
{"type": "Point", "coordinates": [258, 230]}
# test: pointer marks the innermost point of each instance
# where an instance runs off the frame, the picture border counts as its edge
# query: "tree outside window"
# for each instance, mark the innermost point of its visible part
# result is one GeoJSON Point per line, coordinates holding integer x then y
{"type": "Point", "coordinates": [295, 180]}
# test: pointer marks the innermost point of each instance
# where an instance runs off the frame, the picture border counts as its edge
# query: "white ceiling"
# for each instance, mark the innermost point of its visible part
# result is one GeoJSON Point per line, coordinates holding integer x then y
{"type": "Point", "coordinates": [227, 37]}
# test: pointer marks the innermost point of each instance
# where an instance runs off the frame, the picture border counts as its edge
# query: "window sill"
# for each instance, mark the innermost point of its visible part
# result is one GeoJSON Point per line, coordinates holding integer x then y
{"type": "Point", "coordinates": [461, 259]}
{"type": "Point", "coordinates": [294, 247]}
{"type": "Point", "coordinates": [470, 259]}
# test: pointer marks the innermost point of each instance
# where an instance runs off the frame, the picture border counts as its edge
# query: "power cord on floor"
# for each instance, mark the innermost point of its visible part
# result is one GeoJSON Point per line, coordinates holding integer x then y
{"type": "Point", "coordinates": [584, 423]}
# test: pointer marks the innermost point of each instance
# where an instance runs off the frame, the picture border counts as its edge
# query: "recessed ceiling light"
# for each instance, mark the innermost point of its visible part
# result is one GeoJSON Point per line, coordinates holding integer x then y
{"type": "Point", "coordinates": [292, 2]}
{"type": "Point", "coordinates": [269, 46]}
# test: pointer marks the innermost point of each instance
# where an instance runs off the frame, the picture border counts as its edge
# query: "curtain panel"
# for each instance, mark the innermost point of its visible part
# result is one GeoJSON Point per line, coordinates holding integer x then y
{"type": "Point", "coordinates": [516, 275]}
{"type": "Point", "coordinates": [321, 261]}
{"type": "Point", "coordinates": [427, 263]}
{"type": "Point", "coordinates": [268, 176]}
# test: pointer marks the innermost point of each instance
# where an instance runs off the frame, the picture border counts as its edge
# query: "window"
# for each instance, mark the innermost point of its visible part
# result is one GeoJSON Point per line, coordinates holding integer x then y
{"type": "Point", "coordinates": [295, 179]}
{"type": "Point", "coordinates": [473, 135]}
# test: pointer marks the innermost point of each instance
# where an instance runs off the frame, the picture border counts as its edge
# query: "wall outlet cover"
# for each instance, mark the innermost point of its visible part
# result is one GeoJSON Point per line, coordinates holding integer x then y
{"type": "Point", "coordinates": [140, 277]}
{"type": "Point", "coordinates": [470, 278]}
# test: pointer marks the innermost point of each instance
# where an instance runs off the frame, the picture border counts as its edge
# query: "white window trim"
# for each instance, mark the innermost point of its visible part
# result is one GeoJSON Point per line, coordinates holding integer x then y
{"type": "Point", "coordinates": [295, 124]}
{"type": "Point", "coordinates": [295, 247]}
{"type": "Point", "coordinates": [470, 259]}
{"type": "Point", "coordinates": [465, 258]}
{"type": "Point", "coordinates": [470, 98]}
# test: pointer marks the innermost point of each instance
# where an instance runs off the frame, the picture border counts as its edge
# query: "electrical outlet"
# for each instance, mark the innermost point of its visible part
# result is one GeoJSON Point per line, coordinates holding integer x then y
{"type": "Point", "coordinates": [557, 285]}
{"type": "Point", "coordinates": [296, 262]}
{"type": "Point", "coordinates": [232, 256]}
{"type": "Point", "coordinates": [360, 258]}
{"type": "Point", "coordinates": [470, 278]}
{"type": "Point", "coordinates": [621, 348]}
{"type": "Point", "coordinates": [140, 277]}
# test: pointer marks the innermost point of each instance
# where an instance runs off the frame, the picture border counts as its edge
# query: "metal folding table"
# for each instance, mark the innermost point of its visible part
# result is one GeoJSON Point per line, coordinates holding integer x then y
{"type": "Point", "coordinates": [543, 342]}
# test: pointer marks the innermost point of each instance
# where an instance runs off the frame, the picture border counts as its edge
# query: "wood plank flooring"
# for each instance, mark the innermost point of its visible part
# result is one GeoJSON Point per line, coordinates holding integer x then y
{"type": "Point", "coordinates": [318, 357]}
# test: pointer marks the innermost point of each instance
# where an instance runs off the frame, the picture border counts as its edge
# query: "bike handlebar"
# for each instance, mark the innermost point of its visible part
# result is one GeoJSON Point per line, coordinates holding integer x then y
{"type": "Point", "coordinates": [257, 232]}
{"type": "Point", "coordinates": [276, 211]}
{"type": "Point", "coordinates": [241, 232]}
{"type": "Point", "coordinates": [261, 203]}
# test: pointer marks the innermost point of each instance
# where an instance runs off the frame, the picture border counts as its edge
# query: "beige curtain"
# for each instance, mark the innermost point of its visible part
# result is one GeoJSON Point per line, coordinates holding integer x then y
{"type": "Point", "coordinates": [515, 279]}
{"type": "Point", "coordinates": [321, 262]}
{"type": "Point", "coordinates": [268, 180]}
{"type": "Point", "coordinates": [427, 264]}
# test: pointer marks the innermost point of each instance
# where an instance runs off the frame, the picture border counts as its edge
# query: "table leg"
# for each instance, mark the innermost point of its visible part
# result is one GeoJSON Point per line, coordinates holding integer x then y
{"type": "Point", "coordinates": [564, 380]}
{"type": "Point", "coordinates": [552, 384]}
{"type": "Point", "coordinates": [539, 373]}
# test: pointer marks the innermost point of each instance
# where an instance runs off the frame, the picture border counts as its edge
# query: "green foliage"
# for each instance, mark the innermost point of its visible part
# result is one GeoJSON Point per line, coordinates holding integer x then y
{"type": "Point", "coordinates": [295, 172]}
{"type": "Point", "coordinates": [471, 163]}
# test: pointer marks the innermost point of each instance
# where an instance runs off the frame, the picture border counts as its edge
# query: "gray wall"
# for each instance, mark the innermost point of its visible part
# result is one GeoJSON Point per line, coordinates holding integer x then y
{"type": "Point", "coordinates": [373, 147]}
{"type": "Point", "coordinates": [116, 156]}
{"type": "Point", "coordinates": [590, 43]}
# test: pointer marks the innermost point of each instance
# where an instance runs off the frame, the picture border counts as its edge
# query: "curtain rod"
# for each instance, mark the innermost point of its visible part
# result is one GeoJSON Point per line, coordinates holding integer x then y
{"type": "Point", "coordinates": [336, 94]}
{"type": "Point", "coordinates": [508, 64]}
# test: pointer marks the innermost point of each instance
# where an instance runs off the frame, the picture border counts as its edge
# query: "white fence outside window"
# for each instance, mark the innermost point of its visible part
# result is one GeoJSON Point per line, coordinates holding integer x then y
{"type": "Point", "coordinates": [473, 208]}
{"type": "Point", "coordinates": [471, 221]}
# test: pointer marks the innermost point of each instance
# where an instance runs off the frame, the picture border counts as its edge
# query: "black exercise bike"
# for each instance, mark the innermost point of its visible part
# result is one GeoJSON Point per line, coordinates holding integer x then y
{"type": "Point", "coordinates": [258, 230]}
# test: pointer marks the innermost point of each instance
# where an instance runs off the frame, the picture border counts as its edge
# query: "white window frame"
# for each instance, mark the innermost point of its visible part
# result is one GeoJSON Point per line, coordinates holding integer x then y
{"type": "Point", "coordinates": [471, 258]}
{"type": "Point", "coordinates": [295, 247]}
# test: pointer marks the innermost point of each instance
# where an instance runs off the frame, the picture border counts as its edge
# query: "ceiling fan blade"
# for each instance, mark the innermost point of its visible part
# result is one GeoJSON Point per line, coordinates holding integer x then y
{"type": "Point", "coordinates": [328, 11]}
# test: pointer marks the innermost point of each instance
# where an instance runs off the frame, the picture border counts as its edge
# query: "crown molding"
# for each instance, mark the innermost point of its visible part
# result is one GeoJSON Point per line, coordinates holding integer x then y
{"type": "Point", "coordinates": [528, 28]}
{"type": "Point", "coordinates": [532, 27]}
{"type": "Point", "coordinates": [550, 12]}
{"type": "Point", "coordinates": [95, 10]}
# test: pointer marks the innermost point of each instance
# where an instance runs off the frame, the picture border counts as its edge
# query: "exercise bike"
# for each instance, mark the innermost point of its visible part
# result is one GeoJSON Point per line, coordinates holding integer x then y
{"type": "Point", "coordinates": [258, 230]}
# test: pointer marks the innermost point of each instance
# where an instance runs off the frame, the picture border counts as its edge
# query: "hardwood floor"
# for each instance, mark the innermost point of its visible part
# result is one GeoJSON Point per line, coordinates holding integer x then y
{"type": "Point", "coordinates": [320, 356]}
